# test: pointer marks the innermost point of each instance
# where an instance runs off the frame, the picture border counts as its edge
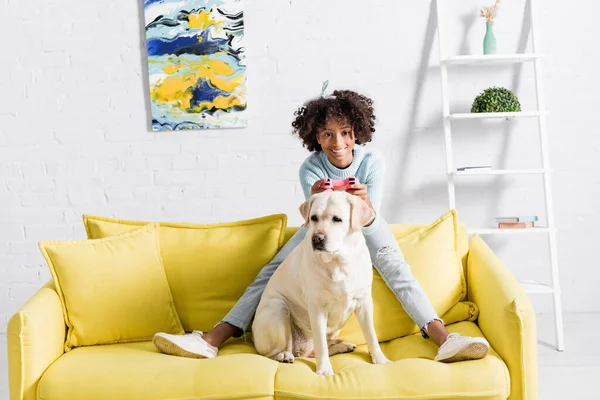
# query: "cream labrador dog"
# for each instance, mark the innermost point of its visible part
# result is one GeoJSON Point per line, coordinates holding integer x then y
{"type": "Point", "coordinates": [315, 290]}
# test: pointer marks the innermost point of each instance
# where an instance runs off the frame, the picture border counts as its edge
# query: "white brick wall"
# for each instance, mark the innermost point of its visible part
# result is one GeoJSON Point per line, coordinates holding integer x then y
{"type": "Point", "coordinates": [74, 133]}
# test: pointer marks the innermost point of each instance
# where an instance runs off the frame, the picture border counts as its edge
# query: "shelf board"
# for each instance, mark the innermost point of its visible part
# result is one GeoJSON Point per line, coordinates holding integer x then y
{"type": "Point", "coordinates": [531, 286]}
{"type": "Point", "coordinates": [508, 231]}
{"type": "Point", "coordinates": [527, 114]}
{"type": "Point", "coordinates": [490, 59]}
{"type": "Point", "coordinates": [500, 172]}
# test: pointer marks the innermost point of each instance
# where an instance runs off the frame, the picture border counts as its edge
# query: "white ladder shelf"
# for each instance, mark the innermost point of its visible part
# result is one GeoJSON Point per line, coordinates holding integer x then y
{"type": "Point", "coordinates": [532, 287]}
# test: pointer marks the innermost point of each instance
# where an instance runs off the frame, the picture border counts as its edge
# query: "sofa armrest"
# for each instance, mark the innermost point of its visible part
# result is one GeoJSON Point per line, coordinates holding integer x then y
{"type": "Point", "coordinates": [506, 317]}
{"type": "Point", "coordinates": [36, 337]}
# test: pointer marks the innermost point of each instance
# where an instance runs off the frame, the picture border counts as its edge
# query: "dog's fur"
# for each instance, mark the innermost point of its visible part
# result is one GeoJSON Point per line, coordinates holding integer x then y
{"type": "Point", "coordinates": [316, 289]}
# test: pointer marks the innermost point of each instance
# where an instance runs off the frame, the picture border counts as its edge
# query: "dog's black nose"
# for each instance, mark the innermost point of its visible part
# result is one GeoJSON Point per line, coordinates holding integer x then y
{"type": "Point", "coordinates": [318, 241]}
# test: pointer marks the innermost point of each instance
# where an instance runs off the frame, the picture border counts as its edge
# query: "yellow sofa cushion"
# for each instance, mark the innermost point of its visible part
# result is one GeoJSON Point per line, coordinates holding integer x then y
{"type": "Point", "coordinates": [412, 375]}
{"type": "Point", "coordinates": [400, 230]}
{"type": "Point", "coordinates": [433, 254]}
{"type": "Point", "coordinates": [136, 371]}
{"type": "Point", "coordinates": [208, 266]}
{"type": "Point", "coordinates": [112, 290]}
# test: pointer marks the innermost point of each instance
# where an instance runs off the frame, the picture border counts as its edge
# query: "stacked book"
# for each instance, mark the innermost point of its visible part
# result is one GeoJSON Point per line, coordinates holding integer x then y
{"type": "Point", "coordinates": [517, 222]}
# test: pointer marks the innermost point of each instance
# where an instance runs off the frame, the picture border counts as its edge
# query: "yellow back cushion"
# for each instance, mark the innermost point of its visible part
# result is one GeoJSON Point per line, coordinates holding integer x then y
{"type": "Point", "coordinates": [432, 253]}
{"type": "Point", "coordinates": [435, 253]}
{"type": "Point", "coordinates": [112, 290]}
{"type": "Point", "coordinates": [208, 266]}
{"type": "Point", "coordinates": [401, 230]}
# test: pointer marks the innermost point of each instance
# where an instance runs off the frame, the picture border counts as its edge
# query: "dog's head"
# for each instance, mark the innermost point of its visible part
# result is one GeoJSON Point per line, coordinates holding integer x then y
{"type": "Point", "coordinates": [333, 215]}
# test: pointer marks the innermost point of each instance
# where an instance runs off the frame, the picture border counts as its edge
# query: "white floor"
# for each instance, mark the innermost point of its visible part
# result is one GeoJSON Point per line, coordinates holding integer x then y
{"type": "Point", "coordinates": [572, 374]}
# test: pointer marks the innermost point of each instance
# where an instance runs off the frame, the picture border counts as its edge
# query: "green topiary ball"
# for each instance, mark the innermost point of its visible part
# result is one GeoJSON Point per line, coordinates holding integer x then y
{"type": "Point", "coordinates": [496, 99]}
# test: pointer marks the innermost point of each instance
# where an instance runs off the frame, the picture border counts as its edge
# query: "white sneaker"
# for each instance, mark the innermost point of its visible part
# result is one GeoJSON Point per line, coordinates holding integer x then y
{"type": "Point", "coordinates": [462, 348]}
{"type": "Point", "coordinates": [190, 345]}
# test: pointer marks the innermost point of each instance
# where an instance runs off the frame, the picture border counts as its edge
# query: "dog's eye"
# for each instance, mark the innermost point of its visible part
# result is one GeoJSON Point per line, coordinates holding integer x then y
{"type": "Point", "coordinates": [336, 219]}
{"type": "Point", "coordinates": [314, 218]}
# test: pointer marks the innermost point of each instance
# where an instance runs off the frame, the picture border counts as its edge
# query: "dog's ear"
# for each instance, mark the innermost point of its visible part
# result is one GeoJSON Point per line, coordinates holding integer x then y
{"type": "Point", "coordinates": [360, 213]}
{"type": "Point", "coordinates": [305, 209]}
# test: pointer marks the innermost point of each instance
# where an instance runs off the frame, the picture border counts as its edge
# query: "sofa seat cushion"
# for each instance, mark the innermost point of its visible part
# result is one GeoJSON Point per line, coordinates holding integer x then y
{"type": "Point", "coordinates": [412, 375]}
{"type": "Point", "coordinates": [137, 371]}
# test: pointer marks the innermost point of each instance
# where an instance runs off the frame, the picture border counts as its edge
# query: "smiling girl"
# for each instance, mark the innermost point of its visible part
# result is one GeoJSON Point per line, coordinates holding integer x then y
{"type": "Point", "coordinates": [334, 129]}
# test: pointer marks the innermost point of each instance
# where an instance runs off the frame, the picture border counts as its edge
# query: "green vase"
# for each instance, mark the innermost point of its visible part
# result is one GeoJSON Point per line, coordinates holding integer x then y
{"type": "Point", "coordinates": [489, 40]}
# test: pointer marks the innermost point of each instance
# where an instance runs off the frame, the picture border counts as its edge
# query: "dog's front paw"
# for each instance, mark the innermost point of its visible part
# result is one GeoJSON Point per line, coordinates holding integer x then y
{"type": "Point", "coordinates": [380, 359]}
{"type": "Point", "coordinates": [325, 370]}
{"type": "Point", "coordinates": [284, 357]}
{"type": "Point", "coordinates": [341, 347]}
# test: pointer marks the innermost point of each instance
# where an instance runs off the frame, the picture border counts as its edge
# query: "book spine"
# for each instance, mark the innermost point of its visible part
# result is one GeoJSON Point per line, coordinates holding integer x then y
{"type": "Point", "coordinates": [515, 225]}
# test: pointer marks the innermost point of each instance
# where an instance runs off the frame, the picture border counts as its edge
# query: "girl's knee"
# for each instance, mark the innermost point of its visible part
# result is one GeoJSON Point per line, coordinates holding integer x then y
{"type": "Point", "coordinates": [388, 254]}
{"type": "Point", "coordinates": [385, 251]}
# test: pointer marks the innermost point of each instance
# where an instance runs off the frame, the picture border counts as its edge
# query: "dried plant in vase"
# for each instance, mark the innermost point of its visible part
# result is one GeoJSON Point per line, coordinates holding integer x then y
{"type": "Point", "coordinates": [489, 40]}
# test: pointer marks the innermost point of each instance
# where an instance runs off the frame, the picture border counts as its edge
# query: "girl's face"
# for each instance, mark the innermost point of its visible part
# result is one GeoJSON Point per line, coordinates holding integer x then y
{"type": "Point", "coordinates": [337, 141]}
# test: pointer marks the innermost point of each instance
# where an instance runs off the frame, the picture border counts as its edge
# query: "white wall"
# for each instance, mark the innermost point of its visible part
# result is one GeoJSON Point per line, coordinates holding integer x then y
{"type": "Point", "coordinates": [74, 134]}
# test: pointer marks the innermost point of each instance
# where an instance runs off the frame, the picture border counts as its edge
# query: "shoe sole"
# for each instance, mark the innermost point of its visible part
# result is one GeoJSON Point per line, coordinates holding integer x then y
{"type": "Point", "coordinates": [168, 347]}
{"type": "Point", "coordinates": [474, 351]}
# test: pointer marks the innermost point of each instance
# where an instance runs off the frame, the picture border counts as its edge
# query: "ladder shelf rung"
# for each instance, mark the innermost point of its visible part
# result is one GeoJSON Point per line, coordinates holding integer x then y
{"type": "Point", "coordinates": [532, 286]}
{"type": "Point", "coordinates": [500, 172]}
{"type": "Point", "coordinates": [508, 231]}
{"type": "Point", "coordinates": [521, 114]}
{"type": "Point", "coordinates": [490, 59]}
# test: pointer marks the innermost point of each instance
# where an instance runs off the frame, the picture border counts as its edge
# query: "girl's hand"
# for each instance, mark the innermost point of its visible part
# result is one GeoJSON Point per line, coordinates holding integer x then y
{"type": "Point", "coordinates": [316, 188]}
{"type": "Point", "coordinates": [360, 190]}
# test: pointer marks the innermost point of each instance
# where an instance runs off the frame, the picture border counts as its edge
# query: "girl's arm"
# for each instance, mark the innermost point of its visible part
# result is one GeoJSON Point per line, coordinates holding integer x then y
{"type": "Point", "coordinates": [375, 182]}
{"type": "Point", "coordinates": [371, 191]}
{"type": "Point", "coordinates": [308, 178]}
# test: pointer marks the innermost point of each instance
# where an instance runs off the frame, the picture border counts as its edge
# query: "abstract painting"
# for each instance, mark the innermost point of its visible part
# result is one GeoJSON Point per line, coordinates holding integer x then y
{"type": "Point", "coordinates": [196, 63]}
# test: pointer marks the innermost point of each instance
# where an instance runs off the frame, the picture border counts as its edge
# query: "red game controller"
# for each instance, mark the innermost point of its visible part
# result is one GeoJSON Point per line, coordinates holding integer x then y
{"type": "Point", "coordinates": [339, 184]}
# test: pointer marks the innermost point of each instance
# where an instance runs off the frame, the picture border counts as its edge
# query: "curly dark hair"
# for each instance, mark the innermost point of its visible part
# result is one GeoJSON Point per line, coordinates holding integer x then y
{"type": "Point", "coordinates": [345, 106]}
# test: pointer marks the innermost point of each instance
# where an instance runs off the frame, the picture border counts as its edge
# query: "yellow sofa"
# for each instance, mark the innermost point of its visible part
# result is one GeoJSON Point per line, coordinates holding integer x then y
{"type": "Point", "coordinates": [39, 367]}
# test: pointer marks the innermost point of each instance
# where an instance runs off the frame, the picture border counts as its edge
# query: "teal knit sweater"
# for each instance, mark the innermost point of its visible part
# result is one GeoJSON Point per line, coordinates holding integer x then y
{"type": "Point", "coordinates": [367, 166]}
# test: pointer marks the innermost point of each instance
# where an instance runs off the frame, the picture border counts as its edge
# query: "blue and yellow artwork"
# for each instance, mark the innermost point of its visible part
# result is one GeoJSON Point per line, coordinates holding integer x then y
{"type": "Point", "coordinates": [196, 63]}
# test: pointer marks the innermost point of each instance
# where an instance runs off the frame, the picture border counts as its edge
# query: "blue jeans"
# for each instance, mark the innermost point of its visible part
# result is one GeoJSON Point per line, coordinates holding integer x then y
{"type": "Point", "coordinates": [387, 259]}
